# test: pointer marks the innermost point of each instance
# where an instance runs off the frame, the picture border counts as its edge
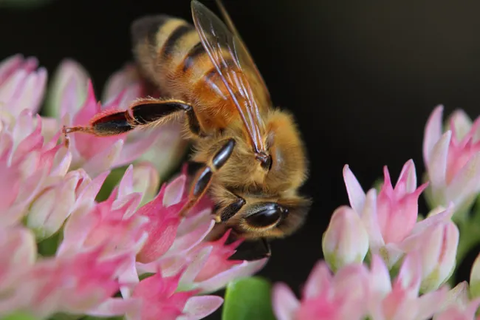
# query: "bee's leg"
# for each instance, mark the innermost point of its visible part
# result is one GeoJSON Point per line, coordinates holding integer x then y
{"type": "Point", "coordinates": [252, 250]}
{"type": "Point", "coordinates": [231, 209]}
{"type": "Point", "coordinates": [203, 178]}
{"type": "Point", "coordinates": [142, 113]}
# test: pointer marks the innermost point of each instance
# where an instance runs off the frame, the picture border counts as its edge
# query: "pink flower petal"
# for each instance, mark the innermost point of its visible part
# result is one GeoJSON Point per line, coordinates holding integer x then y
{"type": "Point", "coordinates": [103, 160]}
{"type": "Point", "coordinates": [356, 195]}
{"type": "Point", "coordinates": [370, 221]}
{"type": "Point", "coordinates": [437, 165]}
{"type": "Point", "coordinates": [408, 177]}
{"type": "Point", "coordinates": [8, 67]}
{"type": "Point", "coordinates": [200, 307]}
{"type": "Point", "coordinates": [460, 124]}
{"type": "Point", "coordinates": [238, 271]}
{"type": "Point", "coordinates": [117, 307]}
{"type": "Point", "coordinates": [433, 131]}
{"type": "Point", "coordinates": [285, 304]}
{"type": "Point", "coordinates": [466, 183]}
{"type": "Point", "coordinates": [68, 89]}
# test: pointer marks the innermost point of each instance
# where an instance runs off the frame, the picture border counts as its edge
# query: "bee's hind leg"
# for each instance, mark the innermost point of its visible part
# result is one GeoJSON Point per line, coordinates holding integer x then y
{"type": "Point", "coordinates": [142, 113]}
{"type": "Point", "coordinates": [203, 177]}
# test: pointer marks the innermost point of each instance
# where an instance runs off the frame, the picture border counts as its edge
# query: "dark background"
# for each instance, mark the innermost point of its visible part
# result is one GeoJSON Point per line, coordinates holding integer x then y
{"type": "Point", "coordinates": [360, 77]}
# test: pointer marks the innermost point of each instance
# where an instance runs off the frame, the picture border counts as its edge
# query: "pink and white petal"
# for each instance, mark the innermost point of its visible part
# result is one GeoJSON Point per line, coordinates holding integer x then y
{"type": "Point", "coordinates": [431, 302]}
{"type": "Point", "coordinates": [170, 266]}
{"type": "Point", "coordinates": [459, 295]}
{"type": "Point", "coordinates": [104, 160]}
{"type": "Point", "coordinates": [433, 131]}
{"type": "Point", "coordinates": [174, 191]}
{"type": "Point", "coordinates": [118, 307]}
{"type": "Point", "coordinates": [408, 177]}
{"type": "Point", "coordinates": [76, 230]}
{"type": "Point", "coordinates": [68, 89]}
{"type": "Point", "coordinates": [370, 221]}
{"type": "Point", "coordinates": [11, 88]}
{"type": "Point", "coordinates": [119, 81]}
{"type": "Point", "coordinates": [318, 280]}
{"type": "Point", "coordinates": [466, 183]}
{"type": "Point", "coordinates": [200, 306]}
{"type": "Point", "coordinates": [421, 226]}
{"type": "Point", "coordinates": [188, 241]}
{"type": "Point", "coordinates": [197, 260]}
{"type": "Point", "coordinates": [134, 149]}
{"type": "Point", "coordinates": [128, 278]}
{"type": "Point", "coordinates": [391, 253]}
{"type": "Point", "coordinates": [31, 94]}
{"type": "Point", "coordinates": [410, 275]}
{"type": "Point", "coordinates": [169, 147]}
{"type": "Point", "coordinates": [61, 163]}
{"type": "Point", "coordinates": [356, 195]}
{"type": "Point", "coordinates": [437, 165]}
{"type": "Point", "coordinates": [461, 124]}
{"type": "Point", "coordinates": [193, 222]}
{"type": "Point", "coordinates": [125, 186]}
{"type": "Point", "coordinates": [245, 269]}
{"type": "Point", "coordinates": [285, 304]}
{"type": "Point", "coordinates": [379, 276]}
{"type": "Point", "coordinates": [89, 189]}
{"type": "Point", "coordinates": [9, 65]}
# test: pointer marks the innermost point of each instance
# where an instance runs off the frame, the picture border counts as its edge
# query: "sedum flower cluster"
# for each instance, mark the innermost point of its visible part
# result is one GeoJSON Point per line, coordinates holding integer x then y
{"type": "Point", "coordinates": [65, 249]}
{"type": "Point", "coordinates": [384, 260]}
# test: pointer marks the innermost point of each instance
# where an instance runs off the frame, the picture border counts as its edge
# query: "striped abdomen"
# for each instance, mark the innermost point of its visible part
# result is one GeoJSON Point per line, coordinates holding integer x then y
{"type": "Point", "coordinates": [171, 55]}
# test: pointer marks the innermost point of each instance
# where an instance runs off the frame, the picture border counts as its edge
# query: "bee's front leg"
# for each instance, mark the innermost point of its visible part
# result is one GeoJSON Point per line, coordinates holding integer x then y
{"type": "Point", "coordinates": [203, 178]}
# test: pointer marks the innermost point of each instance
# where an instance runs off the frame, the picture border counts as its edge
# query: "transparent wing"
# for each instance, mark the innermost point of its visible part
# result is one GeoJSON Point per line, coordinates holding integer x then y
{"type": "Point", "coordinates": [236, 69]}
{"type": "Point", "coordinates": [245, 57]}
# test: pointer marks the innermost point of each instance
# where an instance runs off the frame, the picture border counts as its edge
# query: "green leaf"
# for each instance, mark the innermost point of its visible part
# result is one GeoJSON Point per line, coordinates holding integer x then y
{"type": "Point", "coordinates": [19, 315]}
{"type": "Point", "coordinates": [248, 299]}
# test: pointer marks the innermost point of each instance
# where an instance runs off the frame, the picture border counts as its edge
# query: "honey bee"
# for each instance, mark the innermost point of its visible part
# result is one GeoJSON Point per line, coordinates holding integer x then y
{"type": "Point", "coordinates": [251, 154]}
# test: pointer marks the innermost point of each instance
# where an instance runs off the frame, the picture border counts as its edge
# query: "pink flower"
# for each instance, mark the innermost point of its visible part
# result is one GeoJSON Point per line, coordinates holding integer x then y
{"type": "Point", "coordinates": [400, 298]}
{"type": "Point", "coordinates": [160, 301]}
{"type": "Point", "coordinates": [458, 305]}
{"type": "Point", "coordinates": [437, 243]}
{"type": "Point", "coordinates": [325, 296]}
{"type": "Point", "coordinates": [389, 217]}
{"type": "Point", "coordinates": [27, 164]}
{"type": "Point", "coordinates": [346, 240]}
{"type": "Point", "coordinates": [452, 160]}
{"type": "Point", "coordinates": [22, 86]}
{"type": "Point", "coordinates": [49, 193]}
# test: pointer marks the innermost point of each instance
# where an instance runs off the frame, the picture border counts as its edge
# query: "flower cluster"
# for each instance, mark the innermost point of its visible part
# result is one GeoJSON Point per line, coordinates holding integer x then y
{"type": "Point", "coordinates": [383, 260]}
{"type": "Point", "coordinates": [65, 250]}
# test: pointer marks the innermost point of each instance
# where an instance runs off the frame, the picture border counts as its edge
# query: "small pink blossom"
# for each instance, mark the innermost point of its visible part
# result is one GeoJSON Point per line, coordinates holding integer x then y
{"type": "Point", "coordinates": [325, 296]}
{"type": "Point", "coordinates": [346, 240]}
{"type": "Point", "coordinates": [27, 164]}
{"type": "Point", "coordinates": [161, 301]}
{"type": "Point", "coordinates": [458, 305]}
{"type": "Point", "coordinates": [22, 85]}
{"type": "Point", "coordinates": [52, 190]}
{"type": "Point", "coordinates": [452, 159]}
{"type": "Point", "coordinates": [437, 244]}
{"type": "Point", "coordinates": [400, 298]}
{"type": "Point", "coordinates": [390, 216]}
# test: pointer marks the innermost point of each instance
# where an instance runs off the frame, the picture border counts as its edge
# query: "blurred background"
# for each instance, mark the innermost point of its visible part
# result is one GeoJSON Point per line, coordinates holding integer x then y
{"type": "Point", "coordinates": [360, 77]}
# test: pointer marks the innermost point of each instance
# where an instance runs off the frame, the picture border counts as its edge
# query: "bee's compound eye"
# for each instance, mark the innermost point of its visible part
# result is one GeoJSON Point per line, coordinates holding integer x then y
{"type": "Point", "coordinates": [266, 215]}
